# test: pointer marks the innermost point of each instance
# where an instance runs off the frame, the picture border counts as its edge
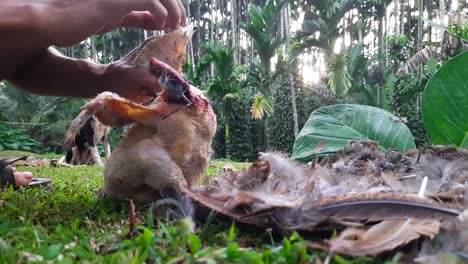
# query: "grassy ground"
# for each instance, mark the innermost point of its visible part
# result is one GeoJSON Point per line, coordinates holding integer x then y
{"type": "Point", "coordinates": [70, 223]}
{"type": "Point", "coordinates": [17, 153]}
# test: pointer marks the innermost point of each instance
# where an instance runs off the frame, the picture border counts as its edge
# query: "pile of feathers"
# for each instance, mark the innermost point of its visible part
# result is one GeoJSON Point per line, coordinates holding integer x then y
{"type": "Point", "coordinates": [377, 201]}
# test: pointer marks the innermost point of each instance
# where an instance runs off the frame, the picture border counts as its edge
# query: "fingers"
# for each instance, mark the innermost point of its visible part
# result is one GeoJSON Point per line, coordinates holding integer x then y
{"type": "Point", "coordinates": [160, 14]}
{"type": "Point", "coordinates": [23, 178]}
{"type": "Point", "coordinates": [143, 20]}
{"type": "Point", "coordinates": [183, 19]}
{"type": "Point", "coordinates": [131, 82]}
{"type": "Point", "coordinates": [148, 85]}
{"type": "Point", "coordinates": [156, 15]}
{"type": "Point", "coordinates": [28, 175]}
{"type": "Point", "coordinates": [174, 13]}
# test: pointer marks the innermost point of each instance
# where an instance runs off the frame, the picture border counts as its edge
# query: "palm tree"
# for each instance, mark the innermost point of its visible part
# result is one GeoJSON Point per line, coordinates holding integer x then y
{"type": "Point", "coordinates": [224, 87]}
{"type": "Point", "coordinates": [321, 28]}
{"type": "Point", "coordinates": [227, 91]}
{"type": "Point", "coordinates": [323, 25]}
{"type": "Point", "coordinates": [263, 29]}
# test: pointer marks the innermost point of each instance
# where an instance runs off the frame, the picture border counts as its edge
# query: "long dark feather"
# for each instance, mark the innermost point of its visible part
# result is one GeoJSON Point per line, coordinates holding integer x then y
{"type": "Point", "coordinates": [384, 206]}
{"type": "Point", "coordinates": [357, 207]}
{"type": "Point", "coordinates": [381, 209]}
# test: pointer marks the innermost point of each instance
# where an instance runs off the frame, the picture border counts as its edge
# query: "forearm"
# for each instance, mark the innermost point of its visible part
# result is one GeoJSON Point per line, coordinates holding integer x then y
{"type": "Point", "coordinates": [41, 23]}
{"type": "Point", "coordinates": [22, 24]}
{"type": "Point", "coordinates": [50, 73]}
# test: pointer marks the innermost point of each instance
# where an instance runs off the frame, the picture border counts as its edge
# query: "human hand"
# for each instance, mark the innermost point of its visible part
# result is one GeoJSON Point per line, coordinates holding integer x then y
{"type": "Point", "coordinates": [129, 81]}
{"type": "Point", "coordinates": [22, 178]}
{"type": "Point", "coordinates": [70, 22]}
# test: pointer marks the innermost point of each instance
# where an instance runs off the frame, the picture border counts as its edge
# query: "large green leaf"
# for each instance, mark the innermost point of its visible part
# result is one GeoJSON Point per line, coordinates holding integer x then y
{"type": "Point", "coordinates": [336, 125]}
{"type": "Point", "coordinates": [445, 103]}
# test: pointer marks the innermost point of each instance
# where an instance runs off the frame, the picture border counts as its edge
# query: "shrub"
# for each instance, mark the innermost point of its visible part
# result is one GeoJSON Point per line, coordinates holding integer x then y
{"type": "Point", "coordinates": [16, 139]}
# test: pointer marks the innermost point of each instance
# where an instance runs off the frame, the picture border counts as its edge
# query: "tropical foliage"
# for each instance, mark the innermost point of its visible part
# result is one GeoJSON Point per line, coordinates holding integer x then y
{"type": "Point", "coordinates": [445, 103]}
{"type": "Point", "coordinates": [16, 139]}
{"type": "Point", "coordinates": [256, 59]}
{"type": "Point", "coordinates": [330, 128]}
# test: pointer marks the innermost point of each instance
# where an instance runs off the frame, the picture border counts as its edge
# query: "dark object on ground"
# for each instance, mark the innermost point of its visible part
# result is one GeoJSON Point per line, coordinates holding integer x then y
{"type": "Point", "coordinates": [7, 177]}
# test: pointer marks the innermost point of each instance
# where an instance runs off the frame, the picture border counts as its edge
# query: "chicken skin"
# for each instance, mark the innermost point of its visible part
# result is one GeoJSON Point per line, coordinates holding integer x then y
{"type": "Point", "coordinates": [169, 141]}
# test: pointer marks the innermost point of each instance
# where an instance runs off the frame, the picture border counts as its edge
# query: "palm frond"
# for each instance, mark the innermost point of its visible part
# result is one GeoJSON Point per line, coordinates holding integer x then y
{"type": "Point", "coordinates": [260, 107]}
{"type": "Point", "coordinates": [452, 44]}
{"type": "Point", "coordinates": [333, 7]}
{"type": "Point", "coordinates": [232, 96]}
{"type": "Point", "coordinates": [419, 59]}
{"type": "Point", "coordinates": [325, 22]}
{"type": "Point", "coordinates": [222, 58]}
{"type": "Point", "coordinates": [312, 26]}
{"type": "Point", "coordinates": [262, 27]}
{"type": "Point", "coordinates": [355, 57]}
{"type": "Point", "coordinates": [298, 47]}
{"type": "Point", "coordinates": [339, 79]}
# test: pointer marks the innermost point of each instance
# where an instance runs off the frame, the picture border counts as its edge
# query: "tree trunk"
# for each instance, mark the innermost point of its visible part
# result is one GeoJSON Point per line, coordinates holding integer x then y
{"type": "Point", "coordinates": [105, 52]}
{"type": "Point", "coordinates": [441, 18]}
{"type": "Point", "coordinates": [430, 10]}
{"type": "Point", "coordinates": [343, 36]}
{"type": "Point", "coordinates": [294, 105]}
{"type": "Point", "coordinates": [396, 15]}
{"type": "Point", "coordinates": [360, 35]}
{"type": "Point", "coordinates": [112, 51]}
{"type": "Point", "coordinates": [235, 35]}
{"type": "Point", "coordinates": [381, 48]}
{"type": "Point", "coordinates": [285, 24]}
{"type": "Point", "coordinates": [385, 34]}
{"type": "Point", "coordinates": [212, 33]}
{"type": "Point", "coordinates": [198, 32]}
{"type": "Point", "coordinates": [401, 19]}
{"type": "Point", "coordinates": [420, 24]}
{"type": "Point", "coordinates": [93, 49]}
{"type": "Point", "coordinates": [191, 59]}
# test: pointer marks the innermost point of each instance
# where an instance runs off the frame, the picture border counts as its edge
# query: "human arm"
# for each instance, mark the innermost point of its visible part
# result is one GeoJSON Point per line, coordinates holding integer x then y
{"type": "Point", "coordinates": [32, 26]}
{"type": "Point", "coordinates": [33, 23]}
{"type": "Point", "coordinates": [50, 73]}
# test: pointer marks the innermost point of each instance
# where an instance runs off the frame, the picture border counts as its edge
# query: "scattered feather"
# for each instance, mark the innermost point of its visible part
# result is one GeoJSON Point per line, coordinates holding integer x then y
{"type": "Point", "coordinates": [381, 237]}
{"type": "Point", "coordinates": [360, 186]}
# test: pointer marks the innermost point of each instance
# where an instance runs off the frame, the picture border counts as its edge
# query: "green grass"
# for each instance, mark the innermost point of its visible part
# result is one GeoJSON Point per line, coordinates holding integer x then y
{"type": "Point", "coordinates": [71, 223]}
{"type": "Point", "coordinates": [20, 153]}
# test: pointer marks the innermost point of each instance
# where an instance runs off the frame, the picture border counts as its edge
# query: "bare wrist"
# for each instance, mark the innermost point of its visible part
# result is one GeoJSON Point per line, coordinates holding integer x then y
{"type": "Point", "coordinates": [101, 76]}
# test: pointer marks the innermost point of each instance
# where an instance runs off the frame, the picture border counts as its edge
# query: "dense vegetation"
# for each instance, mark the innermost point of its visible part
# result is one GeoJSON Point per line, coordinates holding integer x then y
{"type": "Point", "coordinates": [266, 65]}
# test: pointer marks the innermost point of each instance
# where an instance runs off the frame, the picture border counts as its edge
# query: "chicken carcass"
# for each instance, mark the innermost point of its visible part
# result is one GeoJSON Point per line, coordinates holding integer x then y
{"type": "Point", "coordinates": [169, 141]}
